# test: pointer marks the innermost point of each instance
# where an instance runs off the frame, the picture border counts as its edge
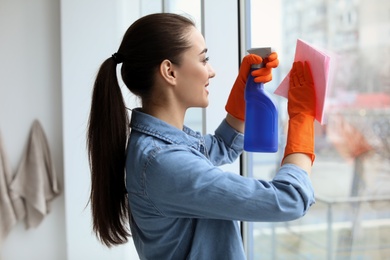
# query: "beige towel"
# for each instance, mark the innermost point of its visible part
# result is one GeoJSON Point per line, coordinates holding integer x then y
{"type": "Point", "coordinates": [35, 180]}
{"type": "Point", "coordinates": [8, 217]}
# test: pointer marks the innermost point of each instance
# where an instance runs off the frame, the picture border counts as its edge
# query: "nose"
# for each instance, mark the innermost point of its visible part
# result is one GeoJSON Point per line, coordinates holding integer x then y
{"type": "Point", "coordinates": [211, 71]}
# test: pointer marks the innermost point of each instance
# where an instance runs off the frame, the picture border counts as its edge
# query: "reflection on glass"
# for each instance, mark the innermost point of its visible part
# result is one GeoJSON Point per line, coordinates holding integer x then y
{"type": "Point", "coordinates": [351, 173]}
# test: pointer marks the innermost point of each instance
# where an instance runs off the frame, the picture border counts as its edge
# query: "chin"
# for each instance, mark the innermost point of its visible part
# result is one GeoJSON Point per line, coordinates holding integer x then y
{"type": "Point", "coordinates": [205, 104]}
{"type": "Point", "coordinates": [202, 105]}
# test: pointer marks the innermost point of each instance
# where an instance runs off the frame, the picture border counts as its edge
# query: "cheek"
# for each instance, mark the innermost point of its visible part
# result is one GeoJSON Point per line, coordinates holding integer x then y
{"type": "Point", "coordinates": [203, 73]}
{"type": "Point", "coordinates": [197, 74]}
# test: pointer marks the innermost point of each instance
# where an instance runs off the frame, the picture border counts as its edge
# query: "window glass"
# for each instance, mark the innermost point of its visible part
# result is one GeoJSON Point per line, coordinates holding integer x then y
{"type": "Point", "coordinates": [191, 9]}
{"type": "Point", "coordinates": [351, 173]}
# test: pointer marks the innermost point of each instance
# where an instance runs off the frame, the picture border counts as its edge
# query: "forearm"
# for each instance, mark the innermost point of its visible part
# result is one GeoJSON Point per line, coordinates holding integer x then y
{"type": "Point", "coordinates": [225, 145]}
{"type": "Point", "coordinates": [237, 124]}
{"type": "Point", "coordinates": [301, 109]}
{"type": "Point", "coordinates": [301, 160]}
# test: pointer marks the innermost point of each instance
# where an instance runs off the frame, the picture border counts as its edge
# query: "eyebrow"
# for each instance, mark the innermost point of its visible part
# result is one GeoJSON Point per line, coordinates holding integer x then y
{"type": "Point", "coordinates": [203, 51]}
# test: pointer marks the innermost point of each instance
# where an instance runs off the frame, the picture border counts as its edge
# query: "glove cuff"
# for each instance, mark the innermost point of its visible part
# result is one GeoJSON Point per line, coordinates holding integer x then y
{"type": "Point", "coordinates": [235, 104]}
{"type": "Point", "coordinates": [300, 137]}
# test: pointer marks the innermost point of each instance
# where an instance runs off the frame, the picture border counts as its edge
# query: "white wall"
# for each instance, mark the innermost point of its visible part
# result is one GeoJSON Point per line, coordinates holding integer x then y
{"type": "Point", "coordinates": [30, 88]}
{"type": "Point", "coordinates": [91, 32]}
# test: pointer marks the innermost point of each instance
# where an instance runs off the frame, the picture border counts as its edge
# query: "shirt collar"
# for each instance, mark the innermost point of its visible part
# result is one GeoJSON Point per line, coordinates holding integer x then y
{"type": "Point", "coordinates": [153, 126]}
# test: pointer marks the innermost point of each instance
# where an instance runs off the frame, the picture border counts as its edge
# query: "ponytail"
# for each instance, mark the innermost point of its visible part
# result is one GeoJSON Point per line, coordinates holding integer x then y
{"type": "Point", "coordinates": [106, 142]}
{"type": "Point", "coordinates": [146, 43]}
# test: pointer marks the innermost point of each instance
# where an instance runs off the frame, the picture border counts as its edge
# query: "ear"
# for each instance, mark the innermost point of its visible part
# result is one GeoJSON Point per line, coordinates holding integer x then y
{"type": "Point", "coordinates": [168, 72]}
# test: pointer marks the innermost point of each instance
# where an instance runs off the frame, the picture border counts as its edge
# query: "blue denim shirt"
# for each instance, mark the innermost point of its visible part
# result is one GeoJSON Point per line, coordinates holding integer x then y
{"type": "Point", "coordinates": [184, 207]}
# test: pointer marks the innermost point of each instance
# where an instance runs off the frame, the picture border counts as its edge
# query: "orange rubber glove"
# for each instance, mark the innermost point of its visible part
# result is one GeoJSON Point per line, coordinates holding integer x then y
{"type": "Point", "coordinates": [301, 109]}
{"type": "Point", "coordinates": [236, 101]}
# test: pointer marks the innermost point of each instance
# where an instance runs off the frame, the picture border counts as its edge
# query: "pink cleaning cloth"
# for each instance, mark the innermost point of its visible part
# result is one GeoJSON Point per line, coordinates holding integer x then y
{"type": "Point", "coordinates": [322, 64]}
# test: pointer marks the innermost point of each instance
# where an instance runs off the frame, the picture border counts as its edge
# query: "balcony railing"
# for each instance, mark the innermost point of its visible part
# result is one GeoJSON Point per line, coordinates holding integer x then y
{"type": "Point", "coordinates": [347, 228]}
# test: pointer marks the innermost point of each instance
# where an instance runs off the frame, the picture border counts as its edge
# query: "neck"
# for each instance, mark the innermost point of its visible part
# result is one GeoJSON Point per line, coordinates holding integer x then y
{"type": "Point", "coordinates": [169, 114]}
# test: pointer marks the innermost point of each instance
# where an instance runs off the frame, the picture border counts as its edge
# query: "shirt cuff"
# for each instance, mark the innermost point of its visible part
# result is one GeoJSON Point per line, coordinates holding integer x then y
{"type": "Point", "coordinates": [231, 137]}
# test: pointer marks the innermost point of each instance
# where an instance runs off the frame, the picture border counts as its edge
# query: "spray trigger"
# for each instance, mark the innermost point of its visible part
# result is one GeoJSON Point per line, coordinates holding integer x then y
{"type": "Point", "coordinates": [263, 52]}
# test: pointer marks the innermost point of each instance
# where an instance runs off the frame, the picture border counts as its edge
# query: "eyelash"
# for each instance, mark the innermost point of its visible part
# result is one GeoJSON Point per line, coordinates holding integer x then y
{"type": "Point", "coordinates": [206, 60]}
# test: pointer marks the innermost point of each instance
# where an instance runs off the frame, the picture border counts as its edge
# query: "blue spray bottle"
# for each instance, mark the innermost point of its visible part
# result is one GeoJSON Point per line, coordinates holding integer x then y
{"type": "Point", "coordinates": [261, 114]}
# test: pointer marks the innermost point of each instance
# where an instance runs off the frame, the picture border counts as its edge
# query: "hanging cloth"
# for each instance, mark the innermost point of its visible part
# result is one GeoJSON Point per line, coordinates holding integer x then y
{"type": "Point", "coordinates": [8, 216]}
{"type": "Point", "coordinates": [35, 180]}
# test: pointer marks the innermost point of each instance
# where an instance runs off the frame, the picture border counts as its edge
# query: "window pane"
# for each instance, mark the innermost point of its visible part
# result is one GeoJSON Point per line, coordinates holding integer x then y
{"type": "Point", "coordinates": [351, 173]}
{"type": "Point", "coordinates": [191, 9]}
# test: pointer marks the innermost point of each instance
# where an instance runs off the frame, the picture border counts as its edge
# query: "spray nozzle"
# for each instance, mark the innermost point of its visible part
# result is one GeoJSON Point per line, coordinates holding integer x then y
{"type": "Point", "coordinates": [263, 52]}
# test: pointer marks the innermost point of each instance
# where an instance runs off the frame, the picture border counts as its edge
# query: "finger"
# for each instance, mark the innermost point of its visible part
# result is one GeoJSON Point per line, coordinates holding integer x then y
{"type": "Point", "coordinates": [247, 61]}
{"type": "Point", "coordinates": [295, 79]}
{"type": "Point", "coordinates": [272, 56]}
{"type": "Point", "coordinates": [251, 59]}
{"type": "Point", "coordinates": [272, 60]}
{"type": "Point", "coordinates": [307, 73]}
{"type": "Point", "coordinates": [299, 72]}
{"type": "Point", "coordinates": [291, 76]}
{"type": "Point", "coordinates": [261, 72]}
{"type": "Point", "coordinates": [294, 75]}
{"type": "Point", "coordinates": [272, 64]}
{"type": "Point", "coordinates": [263, 79]}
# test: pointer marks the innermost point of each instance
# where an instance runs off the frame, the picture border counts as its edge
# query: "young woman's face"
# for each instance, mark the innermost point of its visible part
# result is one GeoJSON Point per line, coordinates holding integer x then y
{"type": "Point", "coordinates": [194, 73]}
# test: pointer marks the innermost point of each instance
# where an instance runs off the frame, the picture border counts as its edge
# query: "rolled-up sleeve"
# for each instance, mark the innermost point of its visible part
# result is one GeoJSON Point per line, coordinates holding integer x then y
{"type": "Point", "coordinates": [292, 175]}
{"type": "Point", "coordinates": [196, 188]}
{"type": "Point", "coordinates": [225, 146]}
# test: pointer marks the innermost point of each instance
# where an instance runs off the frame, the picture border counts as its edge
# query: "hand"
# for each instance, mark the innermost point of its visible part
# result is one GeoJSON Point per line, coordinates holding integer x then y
{"type": "Point", "coordinates": [235, 105]}
{"type": "Point", "coordinates": [301, 95]}
{"type": "Point", "coordinates": [301, 110]}
{"type": "Point", "coordinates": [247, 62]}
{"type": "Point", "coordinates": [264, 74]}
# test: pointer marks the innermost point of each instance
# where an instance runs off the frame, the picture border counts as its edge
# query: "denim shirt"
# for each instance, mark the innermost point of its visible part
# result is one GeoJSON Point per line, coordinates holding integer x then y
{"type": "Point", "coordinates": [183, 206]}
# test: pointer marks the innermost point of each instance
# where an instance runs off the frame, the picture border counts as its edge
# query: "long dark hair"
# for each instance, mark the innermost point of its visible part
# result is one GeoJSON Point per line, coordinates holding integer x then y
{"type": "Point", "coordinates": [147, 42]}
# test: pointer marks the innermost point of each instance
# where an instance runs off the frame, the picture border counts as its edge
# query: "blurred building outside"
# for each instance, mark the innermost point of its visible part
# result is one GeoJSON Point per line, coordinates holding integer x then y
{"type": "Point", "coordinates": [351, 173]}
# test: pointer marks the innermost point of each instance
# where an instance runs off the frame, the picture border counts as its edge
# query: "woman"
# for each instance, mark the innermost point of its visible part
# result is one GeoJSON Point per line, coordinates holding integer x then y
{"type": "Point", "coordinates": [165, 181]}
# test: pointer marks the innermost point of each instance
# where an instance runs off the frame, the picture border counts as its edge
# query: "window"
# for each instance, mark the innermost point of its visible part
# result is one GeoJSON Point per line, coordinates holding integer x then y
{"type": "Point", "coordinates": [191, 9]}
{"type": "Point", "coordinates": [351, 173]}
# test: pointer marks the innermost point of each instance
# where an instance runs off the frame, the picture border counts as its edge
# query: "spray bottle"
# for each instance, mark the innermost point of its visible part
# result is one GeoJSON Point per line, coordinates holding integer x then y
{"type": "Point", "coordinates": [261, 114]}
